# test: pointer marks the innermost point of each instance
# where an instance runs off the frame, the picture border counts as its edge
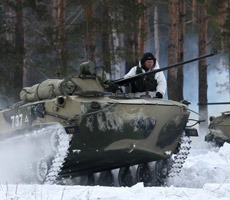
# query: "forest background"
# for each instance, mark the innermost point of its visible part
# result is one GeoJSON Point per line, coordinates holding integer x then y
{"type": "Point", "coordinates": [42, 39]}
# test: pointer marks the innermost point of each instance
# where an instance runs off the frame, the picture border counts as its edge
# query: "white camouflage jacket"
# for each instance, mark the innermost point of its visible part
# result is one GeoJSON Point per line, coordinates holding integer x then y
{"type": "Point", "coordinates": [161, 81]}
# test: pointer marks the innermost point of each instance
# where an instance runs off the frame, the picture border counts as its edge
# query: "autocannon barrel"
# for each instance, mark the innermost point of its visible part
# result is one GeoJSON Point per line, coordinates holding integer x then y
{"type": "Point", "coordinates": [213, 103]}
{"type": "Point", "coordinates": [123, 81]}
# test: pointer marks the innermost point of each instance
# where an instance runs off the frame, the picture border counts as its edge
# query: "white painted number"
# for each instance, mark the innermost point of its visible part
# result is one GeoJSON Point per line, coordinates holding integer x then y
{"type": "Point", "coordinates": [17, 120]}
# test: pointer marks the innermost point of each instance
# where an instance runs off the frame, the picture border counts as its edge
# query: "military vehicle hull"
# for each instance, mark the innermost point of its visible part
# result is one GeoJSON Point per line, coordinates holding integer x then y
{"type": "Point", "coordinates": [105, 132]}
{"type": "Point", "coordinates": [219, 129]}
{"type": "Point", "coordinates": [96, 131]}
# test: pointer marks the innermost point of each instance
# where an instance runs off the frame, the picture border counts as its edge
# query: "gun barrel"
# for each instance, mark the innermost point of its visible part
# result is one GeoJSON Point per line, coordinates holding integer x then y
{"type": "Point", "coordinates": [123, 81]}
{"type": "Point", "coordinates": [213, 103]}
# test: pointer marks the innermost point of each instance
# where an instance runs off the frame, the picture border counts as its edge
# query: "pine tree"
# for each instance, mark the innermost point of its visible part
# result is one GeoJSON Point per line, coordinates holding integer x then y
{"type": "Point", "coordinates": [173, 49]}
{"type": "Point", "coordinates": [203, 84]}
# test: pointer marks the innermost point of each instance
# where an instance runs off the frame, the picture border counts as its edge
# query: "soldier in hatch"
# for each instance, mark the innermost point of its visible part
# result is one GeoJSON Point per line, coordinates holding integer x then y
{"type": "Point", "coordinates": [153, 85]}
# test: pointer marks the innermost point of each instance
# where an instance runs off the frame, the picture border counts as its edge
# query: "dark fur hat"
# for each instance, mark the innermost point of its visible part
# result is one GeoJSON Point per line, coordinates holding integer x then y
{"type": "Point", "coordinates": [148, 56]}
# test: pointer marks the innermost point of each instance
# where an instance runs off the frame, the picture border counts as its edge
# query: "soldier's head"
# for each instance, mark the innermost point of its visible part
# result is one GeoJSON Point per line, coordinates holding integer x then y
{"type": "Point", "coordinates": [148, 60]}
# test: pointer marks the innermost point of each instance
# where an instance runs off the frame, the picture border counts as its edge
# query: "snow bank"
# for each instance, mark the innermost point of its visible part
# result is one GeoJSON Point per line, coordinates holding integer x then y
{"type": "Point", "coordinates": [205, 166]}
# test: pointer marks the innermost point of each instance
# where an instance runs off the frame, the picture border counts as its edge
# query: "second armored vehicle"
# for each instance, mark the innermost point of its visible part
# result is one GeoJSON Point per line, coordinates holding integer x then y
{"type": "Point", "coordinates": [219, 129]}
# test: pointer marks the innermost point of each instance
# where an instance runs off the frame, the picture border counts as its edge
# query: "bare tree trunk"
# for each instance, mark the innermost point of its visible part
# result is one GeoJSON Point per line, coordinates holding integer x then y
{"type": "Point", "coordinates": [156, 32]}
{"type": "Point", "coordinates": [26, 61]}
{"type": "Point", "coordinates": [131, 42]}
{"type": "Point", "coordinates": [114, 41]}
{"type": "Point", "coordinates": [90, 38]}
{"type": "Point", "coordinates": [222, 20]}
{"type": "Point", "coordinates": [55, 42]}
{"type": "Point", "coordinates": [136, 44]}
{"type": "Point", "coordinates": [194, 11]}
{"type": "Point", "coordinates": [226, 35]}
{"type": "Point", "coordinates": [173, 7]}
{"type": "Point", "coordinates": [105, 41]}
{"type": "Point", "coordinates": [181, 29]}
{"type": "Point", "coordinates": [148, 33]}
{"type": "Point", "coordinates": [7, 74]}
{"type": "Point", "coordinates": [55, 13]}
{"type": "Point", "coordinates": [203, 85]}
{"type": "Point", "coordinates": [17, 76]}
{"type": "Point", "coordinates": [142, 28]}
{"type": "Point", "coordinates": [62, 37]}
{"type": "Point", "coordinates": [9, 21]}
{"type": "Point", "coordinates": [130, 46]}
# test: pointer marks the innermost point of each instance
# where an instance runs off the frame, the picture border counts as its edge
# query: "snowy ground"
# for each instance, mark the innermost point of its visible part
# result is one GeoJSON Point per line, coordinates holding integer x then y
{"type": "Point", "coordinates": [206, 175]}
{"type": "Point", "coordinates": [137, 192]}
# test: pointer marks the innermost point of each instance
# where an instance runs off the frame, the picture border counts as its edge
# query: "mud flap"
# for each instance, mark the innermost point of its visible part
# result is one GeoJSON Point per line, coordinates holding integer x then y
{"type": "Point", "coordinates": [191, 132]}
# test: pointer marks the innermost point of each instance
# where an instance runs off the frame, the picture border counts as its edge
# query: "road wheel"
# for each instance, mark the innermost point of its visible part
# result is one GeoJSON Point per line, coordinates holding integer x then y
{"type": "Point", "coordinates": [145, 174]}
{"type": "Point", "coordinates": [106, 178]}
{"type": "Point", "coordinates": [161, 171]}
{"type": "Point", "coordinates": [42, 168]}
{"type": "Point", "coordinates": [127, 177]}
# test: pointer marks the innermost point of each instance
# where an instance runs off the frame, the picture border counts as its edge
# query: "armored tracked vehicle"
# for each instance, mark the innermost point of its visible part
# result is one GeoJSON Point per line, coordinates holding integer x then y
{"type": "Point", "coordinates": [68, 128]}
{"type": "Point", "coordinates": [219, 127]}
